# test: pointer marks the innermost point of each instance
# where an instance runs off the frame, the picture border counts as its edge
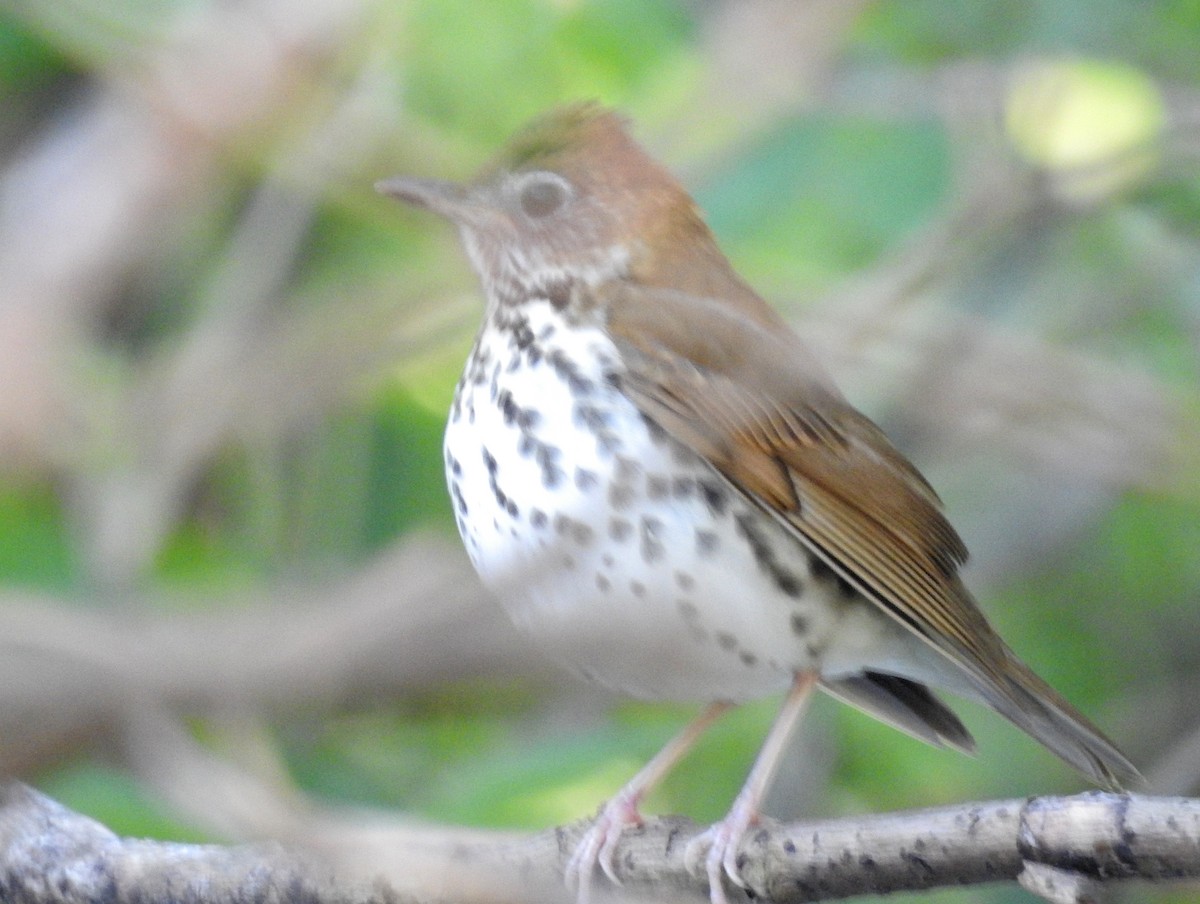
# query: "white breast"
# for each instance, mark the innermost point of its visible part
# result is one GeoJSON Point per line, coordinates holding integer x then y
{"type": "Point", "coordinates": [622, 553]}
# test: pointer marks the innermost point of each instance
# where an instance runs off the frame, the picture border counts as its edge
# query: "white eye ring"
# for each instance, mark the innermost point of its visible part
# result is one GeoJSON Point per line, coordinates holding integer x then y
{"type": "Point", "coordinates": [543, 194]}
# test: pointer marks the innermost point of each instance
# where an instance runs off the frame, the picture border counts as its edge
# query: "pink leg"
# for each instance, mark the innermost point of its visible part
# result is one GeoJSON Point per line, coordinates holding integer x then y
{"type": "Point", "coordinates": [598, 847]}
{"type": "Point", "coordinates": [724, 837]}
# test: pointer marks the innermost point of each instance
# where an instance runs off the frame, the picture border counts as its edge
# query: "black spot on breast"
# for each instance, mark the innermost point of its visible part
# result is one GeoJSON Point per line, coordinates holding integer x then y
{"type": "Point", "coordinates": [658, 435]}
{"type": "Point", "coordinates": [821, 571]}
{"type": "Point", "coordinates": [787, 582]}
{"type": "Point", "coordinates": [619, 529]}
{"type": "Point", "coordinates": [502, 499]}
{"type": "Point", "coordinates": [683, 487]}
{"type": "Point", "coordinates": [525, 419]}
{"type": "Point", "coordinates": [547, 458]}
{"type": "Point", "coordinates": [749, 525]}
{"type": "Point", "coordinates": [626, 469]}
{"type": "Point", "coordinates": [609, 443]}
{"type": "Point", "coordinates": [620, 495]}
{"type": "Point", "coordinates": [569, 372]}
{"type": "Point", "coordinates": [568, 527]}
{"type": "Point", "coordinates": [598, 422]}
{"type": "Point", "coordinates": [520, 336]}
{"type": "Point", "coordinates": [591, 417]}
{"type": "Point", "coordinates": [715, 496]}
{"type": "Point", "coordinates": [707, 543]}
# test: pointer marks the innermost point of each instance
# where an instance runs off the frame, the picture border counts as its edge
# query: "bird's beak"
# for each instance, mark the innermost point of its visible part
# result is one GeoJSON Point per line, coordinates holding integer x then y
{"type": "Point", "coordinates": [449, 199]}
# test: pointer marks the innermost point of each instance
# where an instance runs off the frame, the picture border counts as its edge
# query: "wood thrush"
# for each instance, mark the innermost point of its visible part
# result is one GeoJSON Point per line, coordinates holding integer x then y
{"type": "Point", "coordinates": [667, 492]}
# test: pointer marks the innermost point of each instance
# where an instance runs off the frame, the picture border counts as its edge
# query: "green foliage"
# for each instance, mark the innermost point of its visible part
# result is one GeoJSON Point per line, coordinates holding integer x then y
{"type": "Point", "coordinates": [27, 62]}
{"type": "Point", "coordinates": [35, 541]}
{"type": "Point", "coordinates": [924, 33]}
{"type": "Point", "coordinates": [535, 53]}
{"type": "Point", "coordinates": [823, 196]}
{"type": "Point", "coordinates": [406, 487]}
{"type": "Point", "coordinates": [113, 798]}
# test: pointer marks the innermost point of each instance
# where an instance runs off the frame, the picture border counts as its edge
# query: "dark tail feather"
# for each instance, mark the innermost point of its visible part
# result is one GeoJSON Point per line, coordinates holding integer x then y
{"type": "Point", "coordinates": [906, 705]}
{"type": "Point", "coordinates": [1036, 708]}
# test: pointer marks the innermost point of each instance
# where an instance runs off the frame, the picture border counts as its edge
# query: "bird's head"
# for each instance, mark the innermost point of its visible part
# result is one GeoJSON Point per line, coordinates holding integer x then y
{"type": "Point", "coordinates": [572, 197]}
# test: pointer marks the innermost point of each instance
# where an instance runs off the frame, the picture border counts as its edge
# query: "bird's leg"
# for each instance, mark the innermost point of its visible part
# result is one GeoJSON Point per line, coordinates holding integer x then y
{"type": "Point", "coordinates": [722, 839]}
{"type": "Point", "coordinates": [598, 847]}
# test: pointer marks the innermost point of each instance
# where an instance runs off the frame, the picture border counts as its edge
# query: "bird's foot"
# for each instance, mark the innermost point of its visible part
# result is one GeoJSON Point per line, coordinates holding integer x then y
{"type": "Point", "coordinates": [598, 847]}
{"type": "Point", "coordinates": [718, 848]}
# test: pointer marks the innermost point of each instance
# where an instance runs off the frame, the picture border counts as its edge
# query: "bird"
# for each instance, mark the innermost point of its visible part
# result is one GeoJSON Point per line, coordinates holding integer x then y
{"type": "Point", "coordinates": [669, 495]}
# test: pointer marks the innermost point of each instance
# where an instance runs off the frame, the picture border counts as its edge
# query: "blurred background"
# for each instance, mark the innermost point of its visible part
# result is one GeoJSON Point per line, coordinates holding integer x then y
{"type": "Point", "coordinates": [232, 603]}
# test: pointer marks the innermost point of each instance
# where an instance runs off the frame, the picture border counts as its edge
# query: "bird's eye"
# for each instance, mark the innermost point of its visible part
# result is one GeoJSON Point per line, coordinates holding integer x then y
{"type": "Point", "coordinates": [544, 195]}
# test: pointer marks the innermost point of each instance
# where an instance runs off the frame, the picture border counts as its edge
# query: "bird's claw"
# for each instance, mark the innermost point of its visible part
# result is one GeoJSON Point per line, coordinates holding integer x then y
{"type": "Point", "coordinates": [598, 847]}
{"type": "Point", "coordinates": [715, 850]}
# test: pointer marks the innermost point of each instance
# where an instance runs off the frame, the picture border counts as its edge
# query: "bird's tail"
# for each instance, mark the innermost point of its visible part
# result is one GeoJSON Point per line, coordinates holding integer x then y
{"type": "Point", "coordinates": [1033, 706]}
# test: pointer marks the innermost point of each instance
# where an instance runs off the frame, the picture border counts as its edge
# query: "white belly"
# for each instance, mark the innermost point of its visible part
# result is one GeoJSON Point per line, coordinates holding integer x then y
{"type": "Point", "coordinates": [624, 555]}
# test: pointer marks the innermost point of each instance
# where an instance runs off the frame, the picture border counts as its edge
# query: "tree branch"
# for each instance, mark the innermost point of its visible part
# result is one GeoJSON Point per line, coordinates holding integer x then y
{"type": "Point", "coordinates": [1058, 847]}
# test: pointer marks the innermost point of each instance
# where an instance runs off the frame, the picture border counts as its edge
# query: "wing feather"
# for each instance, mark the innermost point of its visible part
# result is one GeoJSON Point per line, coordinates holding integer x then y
{"type": "Point", "coordinates": [743, 392]}
{"type": "Point", "coordinates": [742, 397]}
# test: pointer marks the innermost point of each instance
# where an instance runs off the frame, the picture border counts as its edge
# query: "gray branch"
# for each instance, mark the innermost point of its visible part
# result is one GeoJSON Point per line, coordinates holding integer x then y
{"type": "Point", "coordinates": [1058, 847]}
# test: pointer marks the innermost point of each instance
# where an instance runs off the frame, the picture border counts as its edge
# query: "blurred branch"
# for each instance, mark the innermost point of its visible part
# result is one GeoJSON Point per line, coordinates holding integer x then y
{"type": "Point", "coordinates": [416, 618]}
{"type": "Point", "coordinates": [1059, 847]}
{"type": "Point", "coordinates": [50, 854]}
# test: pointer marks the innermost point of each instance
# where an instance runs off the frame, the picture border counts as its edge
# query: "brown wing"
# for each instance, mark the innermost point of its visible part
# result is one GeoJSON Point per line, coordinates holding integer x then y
{"type": "Point", "coordinates": [752, 402]}
{"type": "Point", "coordinates": [745, 394]}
